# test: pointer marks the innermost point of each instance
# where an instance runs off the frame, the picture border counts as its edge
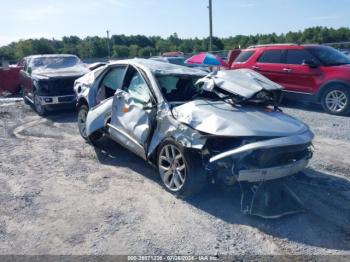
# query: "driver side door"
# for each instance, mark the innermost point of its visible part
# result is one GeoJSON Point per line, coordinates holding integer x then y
{"type": "Point", "coordinates": [131, 113]}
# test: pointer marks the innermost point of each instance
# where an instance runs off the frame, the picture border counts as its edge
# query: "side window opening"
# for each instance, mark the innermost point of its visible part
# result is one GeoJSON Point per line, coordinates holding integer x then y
{"type": "Point", "coordinates": [136, 86]}
{"type": "Point", "coordinates": [110, 83]}
{"type": "Point", "coordinates": [297, 57]}
{"type": "Point", "coordinates": [244, 56]}
{"type": "Point", "coordinates": [271, 57]}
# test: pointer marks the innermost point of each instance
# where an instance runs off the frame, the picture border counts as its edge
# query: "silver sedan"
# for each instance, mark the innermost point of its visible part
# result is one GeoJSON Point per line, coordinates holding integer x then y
{"type": "Point", "coordinates": [193, 126]}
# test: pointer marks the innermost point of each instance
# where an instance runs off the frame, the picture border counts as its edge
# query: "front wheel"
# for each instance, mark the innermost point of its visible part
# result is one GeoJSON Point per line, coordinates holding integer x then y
{"type": "Point", "coordinates": [336, 100]}
{"type": "Point", "coordinates": [39, 108]}
{"type": "Point", "coordinates": [180, 169]}
{"type": "Point", "coordinates": [82, 115]}
{"type": "Point", "coordinates": [25, 100]}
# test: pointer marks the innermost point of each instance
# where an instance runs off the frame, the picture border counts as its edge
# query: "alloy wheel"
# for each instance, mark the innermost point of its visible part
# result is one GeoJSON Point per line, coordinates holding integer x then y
{"type": "Point", "coordinates": [336, 101]}
{"type": "Point", "coordinates": [82, 122]}
{"type": "Point", "coordinates": [38, 106]}
{"type": "Point", "coordinates": [172, 167]}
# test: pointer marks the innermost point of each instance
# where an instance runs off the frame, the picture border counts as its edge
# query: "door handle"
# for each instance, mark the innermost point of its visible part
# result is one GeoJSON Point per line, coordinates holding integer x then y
{"type": "Point", "coordinates": [288, 70]}
{"type": "Point", "coordinates": [256, 67]}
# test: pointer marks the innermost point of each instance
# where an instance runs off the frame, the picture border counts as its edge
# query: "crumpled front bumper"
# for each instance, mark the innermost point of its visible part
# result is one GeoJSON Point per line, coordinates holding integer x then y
{"type": "Point", "coordinates": [274, 172]}
{"type": "Point", "coordinates": [265, 174]}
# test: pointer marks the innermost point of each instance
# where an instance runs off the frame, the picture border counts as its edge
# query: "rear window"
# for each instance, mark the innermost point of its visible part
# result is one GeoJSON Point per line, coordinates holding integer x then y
{"type": "Point", "coordinates": [243, 56]}
{"type": "Point", "coordinates": [271, 56]}
{"type": "Point", "coordinates": [297, 57]}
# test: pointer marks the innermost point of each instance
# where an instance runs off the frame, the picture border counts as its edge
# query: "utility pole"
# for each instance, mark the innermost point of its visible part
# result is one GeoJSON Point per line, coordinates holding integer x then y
{"type": "Point", "coordinates": [210, 26]}
{"type": "Point", "coordinates": [109, 49]}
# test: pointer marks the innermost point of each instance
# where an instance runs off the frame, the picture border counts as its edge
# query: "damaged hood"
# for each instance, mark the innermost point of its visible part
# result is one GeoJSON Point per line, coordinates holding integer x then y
{"type": "Point", "coordinates": [243, 82]}
{"type": "Point", "coordinates": [222, 119]}
{"type": "Point", "coordinates": [75, 71]}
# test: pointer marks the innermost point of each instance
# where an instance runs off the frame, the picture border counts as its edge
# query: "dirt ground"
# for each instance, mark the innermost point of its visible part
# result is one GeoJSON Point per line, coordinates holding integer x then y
{"type": "Point", "coordinates": [60, 195]}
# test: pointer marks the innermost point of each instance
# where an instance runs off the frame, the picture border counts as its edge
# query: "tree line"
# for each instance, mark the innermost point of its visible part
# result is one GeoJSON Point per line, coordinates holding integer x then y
{"type": "Point", "coordinates": [122, 46]}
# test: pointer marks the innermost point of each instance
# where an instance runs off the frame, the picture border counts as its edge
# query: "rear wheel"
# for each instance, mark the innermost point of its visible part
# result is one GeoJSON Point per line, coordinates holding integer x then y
{"type": "Point", "coordinates": [39, 108]}
{"type": "Point", "coordinates": [336, 100]}
{"type": "Point", "coordinates": [180, 170]}
{"type": "Point", "coordinates": [82, 115]}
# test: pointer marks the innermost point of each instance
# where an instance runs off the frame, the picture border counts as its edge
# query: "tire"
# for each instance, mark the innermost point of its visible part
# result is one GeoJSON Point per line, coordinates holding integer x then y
{"type": "Point", "coordinates": [81, 120]}
{"type": "Point", "coordinates": [336, 100]}
{"type": "Point", "coordinates": [39, 108]}
{"type": "Point", "coordinates": [192, 178]}
{"type": "Point", "coordinates": [25, 100]}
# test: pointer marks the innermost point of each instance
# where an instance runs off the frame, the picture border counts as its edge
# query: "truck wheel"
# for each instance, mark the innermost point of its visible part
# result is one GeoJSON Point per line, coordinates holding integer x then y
{"type": "Point", "coordinates": [180, 169]}
{"type": "Point", "coordinates": [39, 108]}
{"type": "Point", "coordinates": [82, 114]}
{"type": "Point", "coordinates": [25, 100]}
{"type": "Point", "coordinates": [336, 100]}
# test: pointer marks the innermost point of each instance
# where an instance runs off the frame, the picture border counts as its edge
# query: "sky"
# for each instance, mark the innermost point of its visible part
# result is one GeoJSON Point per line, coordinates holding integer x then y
{"type": "Point", "coordinates": [188, 18]}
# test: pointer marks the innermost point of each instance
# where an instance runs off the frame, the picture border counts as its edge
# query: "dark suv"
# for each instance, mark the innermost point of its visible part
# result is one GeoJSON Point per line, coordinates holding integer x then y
{"type": "Point", "coordinates": [47, 81]}
{"type": "Point", "coordinates": [315, 73]}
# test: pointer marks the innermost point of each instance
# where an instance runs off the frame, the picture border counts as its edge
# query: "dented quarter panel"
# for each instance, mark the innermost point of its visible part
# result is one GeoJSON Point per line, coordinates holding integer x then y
{"type": "Point", "coordinates": [168, 127]}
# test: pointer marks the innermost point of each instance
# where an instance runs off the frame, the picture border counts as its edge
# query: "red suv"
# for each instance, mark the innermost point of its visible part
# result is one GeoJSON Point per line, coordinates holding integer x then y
{"type": "Point", "coordinates": [310, 72]}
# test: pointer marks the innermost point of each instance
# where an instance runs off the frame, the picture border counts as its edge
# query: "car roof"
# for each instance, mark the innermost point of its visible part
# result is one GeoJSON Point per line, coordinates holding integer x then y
{"type": "Point", "coordinates": [159, 67]}
{"type": "Point", "coordinates": [51, 55]}
{"type": "Point", "coordinates": [279, 46]}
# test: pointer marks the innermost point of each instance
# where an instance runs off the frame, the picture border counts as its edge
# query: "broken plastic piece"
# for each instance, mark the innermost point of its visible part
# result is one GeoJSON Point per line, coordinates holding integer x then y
{"type": "Point", "coordinates": [272, 199]}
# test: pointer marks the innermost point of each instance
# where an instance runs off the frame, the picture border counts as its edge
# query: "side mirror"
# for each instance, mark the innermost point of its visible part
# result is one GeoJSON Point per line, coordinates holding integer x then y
{"type": "Point", "coordinates": [29, 70]}
{"type": "Point", "coordinates": [310, 63]}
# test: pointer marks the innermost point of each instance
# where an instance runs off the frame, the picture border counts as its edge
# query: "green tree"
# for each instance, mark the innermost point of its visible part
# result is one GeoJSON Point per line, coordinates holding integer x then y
{"type": "Point", "coordinates": [146, 51]}
{"type": "Point", "coordinates": [140, 45]}
{"type": "Point", "coordinates": [120, 51]}
{"type": "Point", "coordinates": [133, 50]}
{"type": "Point", "coordinates": [23, 48]}
{"type": "Point", "coordinates": [43, 46]}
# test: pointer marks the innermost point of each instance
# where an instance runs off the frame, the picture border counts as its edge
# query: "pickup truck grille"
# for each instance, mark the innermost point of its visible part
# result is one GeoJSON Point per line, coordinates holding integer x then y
{"type": "Point", "coordinates": [57, 87]}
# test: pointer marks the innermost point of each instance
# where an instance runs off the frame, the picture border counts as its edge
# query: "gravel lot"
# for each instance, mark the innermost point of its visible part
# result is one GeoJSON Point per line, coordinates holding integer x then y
{"type": "Point", "coordinates": [59, 195]}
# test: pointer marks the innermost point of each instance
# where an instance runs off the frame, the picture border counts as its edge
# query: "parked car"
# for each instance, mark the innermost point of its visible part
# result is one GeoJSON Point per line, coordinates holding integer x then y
{"type": "Point", "coordinates": [47, 81]}
{"type": "Point", "coordinates": [177, 60]}
{"type": "Point", "coordinates": [9, 78]}
{"type": "Point", "coordinates": [313, 73]}
{"type": "Point", "coordinates": [193, 126]}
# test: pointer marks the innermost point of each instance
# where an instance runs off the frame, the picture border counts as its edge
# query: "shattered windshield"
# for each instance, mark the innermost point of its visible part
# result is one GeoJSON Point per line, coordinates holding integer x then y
{"type": "Point", "coordinates": [54, 62]}
{"type": "Point", "coordinates": [233, 87]}
{"type": "Point", "coordinates": [178, 88]}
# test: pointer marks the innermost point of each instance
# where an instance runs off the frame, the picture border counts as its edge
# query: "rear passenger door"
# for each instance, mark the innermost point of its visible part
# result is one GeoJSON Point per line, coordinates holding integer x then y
{"type": "Point", "coordinates": [299, 77]}
{"type": "Point", "coordinates": [271, 64]}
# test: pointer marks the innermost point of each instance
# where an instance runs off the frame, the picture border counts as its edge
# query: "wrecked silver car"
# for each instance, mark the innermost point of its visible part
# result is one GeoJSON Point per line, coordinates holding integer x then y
{"type": "Point", "coordinates": [194, 126]}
